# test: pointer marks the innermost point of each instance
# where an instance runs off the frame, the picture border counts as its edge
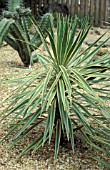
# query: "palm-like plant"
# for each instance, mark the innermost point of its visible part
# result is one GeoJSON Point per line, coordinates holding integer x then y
{"type": "Point", "coordinates": [66, 95]}
{"type": "Point", "coordinates": [15, 30]}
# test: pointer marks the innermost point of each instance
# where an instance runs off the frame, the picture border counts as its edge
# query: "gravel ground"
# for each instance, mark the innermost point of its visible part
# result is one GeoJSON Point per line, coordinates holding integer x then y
{"type": "Point", "coordinates": [43, 158]}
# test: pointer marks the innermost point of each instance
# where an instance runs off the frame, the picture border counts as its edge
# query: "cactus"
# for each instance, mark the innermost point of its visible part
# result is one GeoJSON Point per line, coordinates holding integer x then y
{"type": "Point", "coordinates": [4, 27]}
{"type": "Point", "coordinates": [15, 30]}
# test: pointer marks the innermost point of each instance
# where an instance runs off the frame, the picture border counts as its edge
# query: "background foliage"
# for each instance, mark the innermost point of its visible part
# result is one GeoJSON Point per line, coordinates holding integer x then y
{"type": "Point", "coordinates": [15, 30]}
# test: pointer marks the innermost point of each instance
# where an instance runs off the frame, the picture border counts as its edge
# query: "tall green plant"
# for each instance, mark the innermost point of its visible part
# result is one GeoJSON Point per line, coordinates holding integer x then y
{"type": "Point", "coordinates": [15, 30]}
{"type": "Point", "coordinates": [68, 94]}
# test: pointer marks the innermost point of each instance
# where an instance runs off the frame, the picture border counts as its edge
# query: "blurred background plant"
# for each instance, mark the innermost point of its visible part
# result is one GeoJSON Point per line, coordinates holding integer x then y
{"type": "Point", "coordinates": [2, 7]}
{"type": "Point", "coordinates": [15, 30]}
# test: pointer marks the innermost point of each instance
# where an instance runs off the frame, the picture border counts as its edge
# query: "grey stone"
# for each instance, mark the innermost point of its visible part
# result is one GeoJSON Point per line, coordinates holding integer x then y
{"type": "Point", "coordinates": [1, 162]}
{"type": "Point", "coordinates": [97, 32]}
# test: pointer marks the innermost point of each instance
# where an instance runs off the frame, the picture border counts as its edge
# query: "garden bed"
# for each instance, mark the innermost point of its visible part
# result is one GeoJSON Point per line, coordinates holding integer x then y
{"type": "Point", "coordinates": [43, 158]}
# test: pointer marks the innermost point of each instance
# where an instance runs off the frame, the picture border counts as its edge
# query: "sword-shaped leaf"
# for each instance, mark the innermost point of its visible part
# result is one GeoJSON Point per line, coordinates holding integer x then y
{"type": "Point", "coordinates": [57, 137]}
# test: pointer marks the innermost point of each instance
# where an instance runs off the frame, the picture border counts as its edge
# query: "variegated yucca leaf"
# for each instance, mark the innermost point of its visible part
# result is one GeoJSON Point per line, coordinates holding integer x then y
{"type": "Point", "coordinates": [70, 93]}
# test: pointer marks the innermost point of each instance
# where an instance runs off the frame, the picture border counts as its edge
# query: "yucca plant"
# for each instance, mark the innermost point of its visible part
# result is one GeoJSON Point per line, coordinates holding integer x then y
{"type": "Point", "coordinates": [69, 94]}
{"type": "Point", "coordinates": [15, 30]}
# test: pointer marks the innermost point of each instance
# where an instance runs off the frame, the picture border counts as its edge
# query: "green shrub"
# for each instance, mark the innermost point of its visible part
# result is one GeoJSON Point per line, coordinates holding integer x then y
{"type": "Point", "coordinates": [68, 94]}
{"type": "Point", "coordinates": [15, 30]}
